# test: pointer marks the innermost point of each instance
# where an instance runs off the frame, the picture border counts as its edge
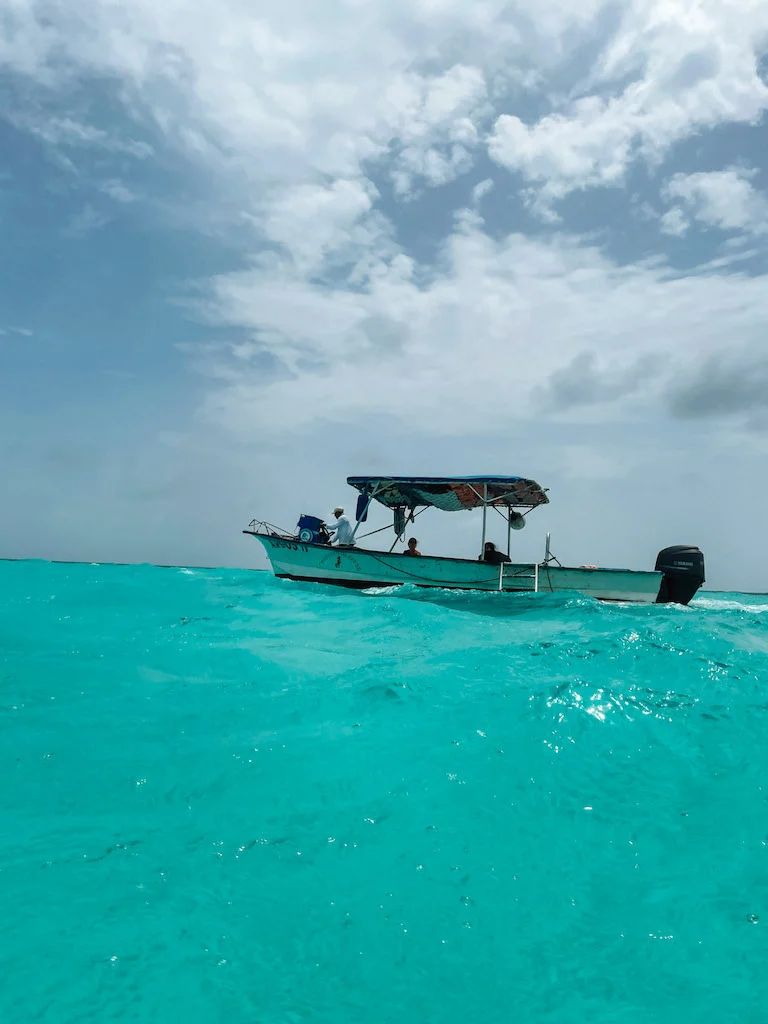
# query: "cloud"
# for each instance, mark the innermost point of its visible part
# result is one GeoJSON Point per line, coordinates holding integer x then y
{"type": "Point", "coordinates": [68, 133]}
{"type": "Point", "coordinates": [270, 92]}
{"type": "Point", "coordinates": [482, 189]}
{"type": "Point", "coordinates": [583, 382]}
{"type": "Point", "coordinates": [83, 223]}
{"type": "Point", "coordinates": [503, 330]}
{"type": "Point", "coordinates": [293, 95]}
{"type": "Point", "coordinates": [299, 119]}
{"type": "Point", "coordinates": [118, 191]}
{"type": "Point", "coordinates": [721, 199]}
{"type": "Point", "coordinates": [442, 129]}
{"type": "Point", "coordinates": [589, 146]}
{"type": "Point", "coordinates": [293, 106]}
{"type": "Point", "coordinates": [674, 222]}
{"type": "Point", "coordinates": [25, 332]}
{"type": "Point", "coordinates": [344, 227]}
{"type": "Point", "coordinates": [724, 385]}
{"type": "Point", "coordinates": [669, 71]}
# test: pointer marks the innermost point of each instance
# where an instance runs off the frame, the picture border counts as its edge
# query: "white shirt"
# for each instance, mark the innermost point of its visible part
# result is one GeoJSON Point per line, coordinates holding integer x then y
{"type": "Point", "coordinates": [343, 531]}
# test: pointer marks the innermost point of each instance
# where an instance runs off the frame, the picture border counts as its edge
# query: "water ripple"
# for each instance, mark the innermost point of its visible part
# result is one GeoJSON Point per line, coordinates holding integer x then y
{"type": "Point", "coordinates": [228, 797]}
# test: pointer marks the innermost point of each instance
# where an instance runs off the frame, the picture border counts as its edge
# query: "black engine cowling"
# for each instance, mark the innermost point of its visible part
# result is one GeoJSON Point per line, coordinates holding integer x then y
{"type": "Point", "coordinates": [683, 568]}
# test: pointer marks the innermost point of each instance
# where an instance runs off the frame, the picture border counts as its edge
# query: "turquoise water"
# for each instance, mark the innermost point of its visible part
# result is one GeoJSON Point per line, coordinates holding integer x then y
{"type": "Point", "coordinates": [231, 798]}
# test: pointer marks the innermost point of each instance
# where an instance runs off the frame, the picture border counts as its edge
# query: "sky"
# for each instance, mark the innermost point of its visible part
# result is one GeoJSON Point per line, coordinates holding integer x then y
{"type": "Point", "coordinates": [249, 249]}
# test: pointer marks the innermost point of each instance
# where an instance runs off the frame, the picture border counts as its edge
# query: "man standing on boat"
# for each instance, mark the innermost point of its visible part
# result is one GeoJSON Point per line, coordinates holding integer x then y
{"type": "Point", "coordinates": [341, 531]}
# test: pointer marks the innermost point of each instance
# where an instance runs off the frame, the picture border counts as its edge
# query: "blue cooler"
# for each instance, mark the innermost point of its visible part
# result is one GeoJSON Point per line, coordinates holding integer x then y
{"type": "Point", "coordinates": [310, 530]}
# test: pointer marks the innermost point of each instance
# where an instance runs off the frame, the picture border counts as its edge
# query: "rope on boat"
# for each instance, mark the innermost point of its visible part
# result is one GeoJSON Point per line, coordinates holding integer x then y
{"type": "Point", "coordinates": [383, 528]}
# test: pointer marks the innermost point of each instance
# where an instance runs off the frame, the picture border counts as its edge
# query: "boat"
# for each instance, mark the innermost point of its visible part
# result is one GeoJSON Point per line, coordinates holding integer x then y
{"type": "Point", "coordinates": [307, 554]}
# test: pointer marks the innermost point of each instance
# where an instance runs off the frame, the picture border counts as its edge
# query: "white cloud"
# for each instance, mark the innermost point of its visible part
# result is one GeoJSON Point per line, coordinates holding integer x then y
{"type": "Point", "coordinates": [118, 191]}
{"type": "Point", "coordinates": [589, 146]}
{"type": "Point", "coordinates": [293, 110]}
{"type": "Point", "coordinates": [449, 102]}
{"type": "Point", "coordinates": [468, 349]}
{"type": "Point", "coordinates": [275, 97]}
{"type": "Point", "coordinates": [721, 199]}
{"type": "Point", "coordinates": [25, 332]}
{"type": "Point", "coordinates": [313, 221]}
{"type": "Point", "coordinates": [674, 222]}
{"type": "Point", "coordinates": [67, 132]}
{"type": "Point", "coordinates": [293, 85]}
{"type": "Point", "coordinates": [85, 221]}
{"type": "Point", "coordinates": [482, 189]}
{"type": "Point", "coordinates": [442, 129]}
{"type": "Point", "coordinates": [290, 93]}
{"type": "Point", "coordinates": [671, 70]}
{"type": "Point", "coordinates": [432, 164]}
{"type": "Point", "coordinates": [288, 110]}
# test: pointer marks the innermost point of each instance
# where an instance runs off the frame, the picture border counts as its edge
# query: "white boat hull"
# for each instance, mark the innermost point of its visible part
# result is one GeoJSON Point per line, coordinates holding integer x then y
{"type": "Point", "coordinates": [360, 568]}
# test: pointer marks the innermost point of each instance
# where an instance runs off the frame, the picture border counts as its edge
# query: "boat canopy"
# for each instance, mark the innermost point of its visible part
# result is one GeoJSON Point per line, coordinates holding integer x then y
{"type": "Point", "coordinates": [450, 493]}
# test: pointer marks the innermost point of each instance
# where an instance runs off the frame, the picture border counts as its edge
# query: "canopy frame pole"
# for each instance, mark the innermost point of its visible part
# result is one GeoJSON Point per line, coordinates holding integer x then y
{"type": "Point", "coordinates": [509, 530]}
{"type": "Point", "coordinates": [371, 496]}
{"type": "Point", "coordinates": [485, 517]}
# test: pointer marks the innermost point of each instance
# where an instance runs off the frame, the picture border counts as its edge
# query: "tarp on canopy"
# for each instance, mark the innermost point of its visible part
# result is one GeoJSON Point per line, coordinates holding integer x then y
{"type": "Point", "coordinates": [451, 494]}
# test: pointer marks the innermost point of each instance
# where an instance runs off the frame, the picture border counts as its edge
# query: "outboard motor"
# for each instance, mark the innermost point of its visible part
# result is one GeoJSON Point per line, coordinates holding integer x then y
{"type": "Point", "coordinates": [683, 568]}
{"type": "Point", "coordinates": [311, 530]}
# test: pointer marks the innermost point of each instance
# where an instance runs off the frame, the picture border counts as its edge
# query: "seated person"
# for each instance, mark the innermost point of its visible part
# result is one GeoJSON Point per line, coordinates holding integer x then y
{"type": "Point", "coordinates": [341, 531]}
{"type": "Point", "coordinates": [412, 549]}
{"type": "Point", "coordinates": [492, 555]}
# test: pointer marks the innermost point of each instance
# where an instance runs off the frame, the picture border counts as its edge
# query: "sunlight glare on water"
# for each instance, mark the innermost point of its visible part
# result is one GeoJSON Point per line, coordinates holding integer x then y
{"type": "Point", "coordinates": [232, 798]}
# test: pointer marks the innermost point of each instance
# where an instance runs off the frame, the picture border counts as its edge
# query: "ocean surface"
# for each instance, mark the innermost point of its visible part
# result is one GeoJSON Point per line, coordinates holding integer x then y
{"type": "Point", "coordinates": [229, 798]}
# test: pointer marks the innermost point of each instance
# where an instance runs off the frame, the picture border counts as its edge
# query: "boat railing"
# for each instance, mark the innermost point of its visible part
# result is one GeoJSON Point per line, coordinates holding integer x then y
{"type": "Point", "coordinates": [519, 575]}
{"type": "Point", "coordinates": [263, 527]}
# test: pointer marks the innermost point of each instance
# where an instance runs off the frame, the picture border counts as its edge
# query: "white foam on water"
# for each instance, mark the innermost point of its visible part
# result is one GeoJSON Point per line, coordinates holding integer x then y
{"type": "Point", "coordinates": [728, 604]}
